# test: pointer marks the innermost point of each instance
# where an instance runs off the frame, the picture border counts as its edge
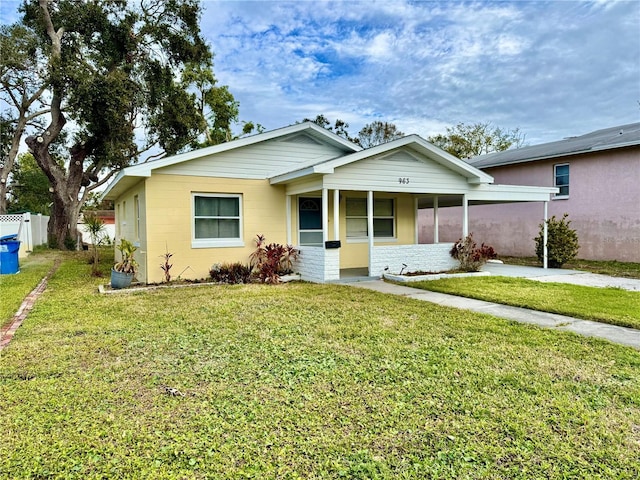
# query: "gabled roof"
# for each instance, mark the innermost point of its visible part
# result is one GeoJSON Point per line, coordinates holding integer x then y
{"type": "Point", "coordinates": [413, 142]}
{"type": "Point", "coordinates": [605, 139]}
{"type": "Point", "coordinates": [131, 175]}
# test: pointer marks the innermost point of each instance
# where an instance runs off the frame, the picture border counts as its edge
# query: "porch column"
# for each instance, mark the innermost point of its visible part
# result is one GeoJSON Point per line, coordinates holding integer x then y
{"type": "Point", "coordinates": [336, 214]}
{"type": "Point", "coordinates": [416, 223]}
{"type": "Point", "coordinates": [465, 216]}
{"type": "Point", "coordinates": [436, 234]}
{"type": "Point", "coordinates": [288, 207]}
{"type": "Point", "coordinates": [544, 236]}
{"type": "Point", "coordinates": [370, 226]}
{"type": "Point", "coordinates": [325, 216]}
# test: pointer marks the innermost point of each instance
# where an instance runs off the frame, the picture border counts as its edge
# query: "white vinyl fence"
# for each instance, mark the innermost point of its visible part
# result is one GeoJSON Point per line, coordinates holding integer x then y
{"type": "Point", "coordinates": [32, 230]}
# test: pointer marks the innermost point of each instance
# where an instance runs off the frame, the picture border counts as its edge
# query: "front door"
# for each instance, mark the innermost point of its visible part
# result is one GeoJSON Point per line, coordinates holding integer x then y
{"type": "Point", "coordinates": [310, 221]}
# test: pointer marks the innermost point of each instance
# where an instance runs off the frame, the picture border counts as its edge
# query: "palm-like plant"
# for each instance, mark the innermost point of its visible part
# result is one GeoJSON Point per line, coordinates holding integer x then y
{"type": "Point", "coordinates": [94, 226]}
{"type": "Point", "coordinates": [128, 264]}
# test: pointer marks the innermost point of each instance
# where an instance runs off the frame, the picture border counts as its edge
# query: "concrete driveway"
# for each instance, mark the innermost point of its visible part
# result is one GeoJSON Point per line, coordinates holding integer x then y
{"type": "Point", "coordinates": [561, 275]}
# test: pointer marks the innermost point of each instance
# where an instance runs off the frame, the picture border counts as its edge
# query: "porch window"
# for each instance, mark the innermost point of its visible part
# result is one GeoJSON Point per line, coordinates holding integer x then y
{"type": "Point", "coordinates": [383, 218]}
{"type": "Point", "coordinates": [310, 219]}
{"type": "Point", "coordinates": [217, 220]}
{"type": "Point", "coordinates": [561, 179]}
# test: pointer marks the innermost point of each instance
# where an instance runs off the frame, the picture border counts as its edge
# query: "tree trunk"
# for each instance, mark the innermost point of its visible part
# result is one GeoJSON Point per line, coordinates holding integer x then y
{"type": "Point", "coordinates": [63, 224]}
{"type": "Point", "coordinates": [3, 196]}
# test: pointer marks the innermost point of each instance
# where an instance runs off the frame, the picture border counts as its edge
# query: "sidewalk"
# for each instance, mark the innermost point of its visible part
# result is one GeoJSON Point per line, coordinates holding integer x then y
{"type": "Point", "coordinates": [622, 335]}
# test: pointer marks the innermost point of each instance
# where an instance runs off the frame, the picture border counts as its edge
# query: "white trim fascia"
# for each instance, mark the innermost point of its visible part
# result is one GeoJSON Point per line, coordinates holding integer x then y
{"type": "Point", "coordinates": [145, 169]}
{"type": "Point", "coordinates": [118, 178]}
{"type": "Point", "coordinates": [511, 193]}
{"type": "Point", "coordinates": [111, 184]}
{"type": "Point", "coordinates": [286, 177]}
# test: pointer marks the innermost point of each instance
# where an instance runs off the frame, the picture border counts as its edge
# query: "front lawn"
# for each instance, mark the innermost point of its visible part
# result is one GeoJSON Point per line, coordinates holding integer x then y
{"type": "Point", "coordinates": [305, 381]}
{"type": "Point", "coordinates": [608, 305]}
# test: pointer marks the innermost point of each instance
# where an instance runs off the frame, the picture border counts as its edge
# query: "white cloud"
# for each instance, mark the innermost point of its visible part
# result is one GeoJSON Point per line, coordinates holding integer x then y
{"type": "Point", "coordinates": [553, 69]}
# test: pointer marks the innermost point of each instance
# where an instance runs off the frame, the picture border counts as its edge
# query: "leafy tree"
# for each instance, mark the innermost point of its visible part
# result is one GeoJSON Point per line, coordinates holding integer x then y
{"type": "Point", "coordinates": [20, 92]}
{"type": "Point", "coordinates": [562, 242]}
{"type": "Point", "coordinates": [108, 72]}
{"type": "Point", "coordinates": [467, 141]}
{"type": "Point", "coordinates": [216, 105]}
{"type": "Point", "coordinates": [29, 187]}
{"type": "Point", "coordinates": [340, 127]}
{"type": "Point", "coordinates": [369, 136]}
{"type": "Point", "coordinates": [378, 132]}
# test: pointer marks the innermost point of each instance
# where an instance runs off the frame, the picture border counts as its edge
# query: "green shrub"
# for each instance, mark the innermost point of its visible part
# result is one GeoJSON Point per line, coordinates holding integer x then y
{"type": "Point", "coordinates": [562, 242]}
{"type": "Point", "coordinates": [470, 257]}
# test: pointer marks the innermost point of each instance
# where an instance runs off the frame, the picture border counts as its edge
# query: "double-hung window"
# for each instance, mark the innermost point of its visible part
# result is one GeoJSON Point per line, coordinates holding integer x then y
{"type": "Point", "coordinates": [383, 218]}
{"type": "Point", "coordinates": [217, 220]}
{"type": "Point", "coordinates": [561, 179]}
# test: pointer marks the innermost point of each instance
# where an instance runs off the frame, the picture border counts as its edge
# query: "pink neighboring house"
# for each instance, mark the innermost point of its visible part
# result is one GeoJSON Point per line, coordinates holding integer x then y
{"type": "Point", "coordinates": [598, 175]}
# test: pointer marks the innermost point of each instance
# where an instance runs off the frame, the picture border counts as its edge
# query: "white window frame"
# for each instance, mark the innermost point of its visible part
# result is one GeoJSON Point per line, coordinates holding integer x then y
{"type": "Point", "coordinates": [216, 242]}
{"type": "Point", "coordinates": [362, 239]}
{"type": "Point", "coordinates": [560, 196]}
{"type": "Point", "coordinates": [301, 231]}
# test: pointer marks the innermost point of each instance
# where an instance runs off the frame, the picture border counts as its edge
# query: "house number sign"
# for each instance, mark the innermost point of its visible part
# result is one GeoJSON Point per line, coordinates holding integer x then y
{"type": "Point", "coordinates": [403, 180]}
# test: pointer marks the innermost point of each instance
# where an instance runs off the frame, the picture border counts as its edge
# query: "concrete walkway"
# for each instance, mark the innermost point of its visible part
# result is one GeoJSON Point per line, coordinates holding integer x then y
{"type": "Point", "coordinates": [622, 335]}
{"type": "Point", "coordinates": [575, 277]}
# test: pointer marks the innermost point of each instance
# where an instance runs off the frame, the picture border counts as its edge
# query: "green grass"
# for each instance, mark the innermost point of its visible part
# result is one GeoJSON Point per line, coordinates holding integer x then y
{"type": "Point", "coordinates": [610, 267]}
{"type": "Point", "coordinates": [305, 381]}
{"type": "Point", "coordinates": [608, 305]}
{"type": "Point", "coordinates": [15, 287]}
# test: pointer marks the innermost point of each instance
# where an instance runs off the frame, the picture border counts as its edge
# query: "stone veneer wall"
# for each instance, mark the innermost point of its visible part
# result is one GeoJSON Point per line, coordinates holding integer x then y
{"type": "Point", "coordinates": [316, 264]}
{"type": "Point", "coordinates": [427, 258]}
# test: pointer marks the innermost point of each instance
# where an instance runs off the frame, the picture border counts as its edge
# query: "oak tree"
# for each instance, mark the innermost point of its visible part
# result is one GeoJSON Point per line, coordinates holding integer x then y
{"type": "Point", "coordinates": [109, 78]}
{"type": "Point", "coordinates": [378, 132]}
{"type": "Point", "coordinates": [467, 141]}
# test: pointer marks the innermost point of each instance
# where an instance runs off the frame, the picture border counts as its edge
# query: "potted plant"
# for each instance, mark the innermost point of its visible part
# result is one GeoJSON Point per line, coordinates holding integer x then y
{"type": "Point", "coordinates": [123, 271]}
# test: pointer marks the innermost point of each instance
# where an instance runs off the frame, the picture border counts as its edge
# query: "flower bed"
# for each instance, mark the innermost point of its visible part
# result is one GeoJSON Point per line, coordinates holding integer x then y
{"type": "Point", "coordinates": [431, 276]}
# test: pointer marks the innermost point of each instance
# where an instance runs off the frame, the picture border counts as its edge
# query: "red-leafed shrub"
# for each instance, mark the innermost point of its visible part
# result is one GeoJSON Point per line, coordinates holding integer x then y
{"type": "Point", "coordinates": [269, 261]}
{"type": "Point", "coordinates": [471, 257]}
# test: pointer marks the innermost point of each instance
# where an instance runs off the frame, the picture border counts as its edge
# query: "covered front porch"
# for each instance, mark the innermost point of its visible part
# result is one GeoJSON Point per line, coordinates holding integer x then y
{"type": "Point", "coordinates": [331, 252]}
{"type": "Point", "coordinates": [361, 211]}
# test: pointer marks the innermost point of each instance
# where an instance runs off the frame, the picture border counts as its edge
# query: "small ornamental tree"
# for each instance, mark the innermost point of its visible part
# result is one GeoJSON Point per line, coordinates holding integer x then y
{"type": "Point", "coordinates": [95, 227]}
{"type": "Point", "coordinates": [471, 257]}
{"type": "Point", "coordinates": [562, 242]}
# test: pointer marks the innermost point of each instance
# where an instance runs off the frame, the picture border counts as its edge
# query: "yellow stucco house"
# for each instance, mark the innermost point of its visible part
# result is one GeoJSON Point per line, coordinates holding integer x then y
{"type": "Point", "coordinates": [301, 185]}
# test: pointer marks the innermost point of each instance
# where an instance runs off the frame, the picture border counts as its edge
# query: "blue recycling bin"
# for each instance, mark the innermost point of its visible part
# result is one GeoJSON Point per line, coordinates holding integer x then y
{"type": "Point", "coordinates": [9, 246]}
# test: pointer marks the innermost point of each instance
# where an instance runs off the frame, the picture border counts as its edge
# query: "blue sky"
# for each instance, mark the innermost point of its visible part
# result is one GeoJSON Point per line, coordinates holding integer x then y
{"type": "Point", "coordinates": [552, 69]}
